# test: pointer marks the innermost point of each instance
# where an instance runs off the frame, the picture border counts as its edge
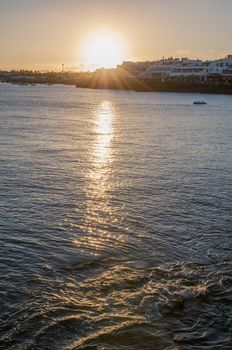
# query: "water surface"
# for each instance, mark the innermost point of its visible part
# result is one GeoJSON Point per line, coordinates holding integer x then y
{"type": "Point", "coordinates": [115, 220]}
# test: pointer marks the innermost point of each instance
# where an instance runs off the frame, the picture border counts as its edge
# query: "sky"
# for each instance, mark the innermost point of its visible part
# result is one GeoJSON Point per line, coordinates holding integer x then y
{"type": "Point", "coordinates": [44, 34]}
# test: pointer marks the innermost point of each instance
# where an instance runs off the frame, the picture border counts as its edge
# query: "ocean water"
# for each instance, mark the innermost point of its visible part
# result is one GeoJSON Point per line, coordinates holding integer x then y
{"type": "Point", "coordinates": [115, 220]}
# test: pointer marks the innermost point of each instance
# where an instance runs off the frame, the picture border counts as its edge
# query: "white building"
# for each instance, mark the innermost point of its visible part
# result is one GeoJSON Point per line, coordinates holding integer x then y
{"type": "Point", "coordinates": [134, 68]}
{"type": "Point", "coordinates": [188, 68]}
{"type": "Point", "coordinates": [160, 68]}
{"type": "Point", "coordinates": [177, 68]}
{"type": "Point", "coordinates": [222, 66]}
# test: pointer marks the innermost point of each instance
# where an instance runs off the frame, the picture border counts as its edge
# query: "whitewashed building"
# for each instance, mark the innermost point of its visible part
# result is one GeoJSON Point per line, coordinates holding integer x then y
{"type": "Point", "coordinates": [222, 66]}
{"type": "Point", "coordinates": [134, 68]}
{"type": "Point", "coordinates": [177, 68]}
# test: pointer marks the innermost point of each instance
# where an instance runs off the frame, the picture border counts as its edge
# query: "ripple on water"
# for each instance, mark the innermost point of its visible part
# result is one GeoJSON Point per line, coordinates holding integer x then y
{"type": "Point", "coordinates": [115, 220]}
{"type": "Point", "coordinates": [175, 306]}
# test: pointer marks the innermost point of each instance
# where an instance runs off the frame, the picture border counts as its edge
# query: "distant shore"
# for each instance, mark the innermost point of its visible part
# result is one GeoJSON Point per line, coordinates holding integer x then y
{"type": "Point", "coordinates": [111, 79]}
{"type": "Point", "coordinates": [157, 86]}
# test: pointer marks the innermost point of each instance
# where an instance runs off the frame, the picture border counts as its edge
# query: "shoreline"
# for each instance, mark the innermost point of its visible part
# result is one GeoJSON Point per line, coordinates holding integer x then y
{"type": "Point", "coordinates": [129, 84]}
{"type": "Point", "coordinates": [185, 88]}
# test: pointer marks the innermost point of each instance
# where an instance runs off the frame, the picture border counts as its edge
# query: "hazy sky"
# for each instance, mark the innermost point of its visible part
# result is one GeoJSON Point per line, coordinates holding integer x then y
{"type": "Point", "coordinates": [47, 33]}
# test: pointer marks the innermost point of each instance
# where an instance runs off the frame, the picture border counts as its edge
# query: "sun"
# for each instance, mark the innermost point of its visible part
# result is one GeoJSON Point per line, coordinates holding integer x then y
{"type": "Point", "coordinates": [104, 51]}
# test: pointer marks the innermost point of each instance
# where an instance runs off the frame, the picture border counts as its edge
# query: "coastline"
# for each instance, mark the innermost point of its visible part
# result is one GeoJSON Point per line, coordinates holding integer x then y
{"type": "Point", "coordinates": [114, 81]}
{"type": "Point", "coordinates": [140, 86]}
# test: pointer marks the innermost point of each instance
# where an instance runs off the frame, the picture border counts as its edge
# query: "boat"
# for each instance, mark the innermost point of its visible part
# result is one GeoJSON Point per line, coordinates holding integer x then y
{"type": "Point", "coordinates": [200, 103]}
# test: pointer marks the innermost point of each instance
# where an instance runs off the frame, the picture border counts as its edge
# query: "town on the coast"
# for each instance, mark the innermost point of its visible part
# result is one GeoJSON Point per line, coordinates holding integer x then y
{"type": "Point", "coordinates": [166, 74]}
{"type": "Point", "coordinates": [176, 68]}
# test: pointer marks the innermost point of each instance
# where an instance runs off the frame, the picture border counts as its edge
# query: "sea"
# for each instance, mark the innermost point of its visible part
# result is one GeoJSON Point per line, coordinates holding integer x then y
{"type": "Point", "coordinates": [115, 220]}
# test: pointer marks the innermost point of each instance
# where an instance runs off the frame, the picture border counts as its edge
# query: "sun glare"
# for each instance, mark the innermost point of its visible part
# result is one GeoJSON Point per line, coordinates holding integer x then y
{"type": "Point", "coordinates": [104, 51]}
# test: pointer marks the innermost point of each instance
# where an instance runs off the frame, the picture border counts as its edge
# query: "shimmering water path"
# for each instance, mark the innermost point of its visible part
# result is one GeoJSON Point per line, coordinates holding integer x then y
{"type": "Point", "coordinates": [115, 220]}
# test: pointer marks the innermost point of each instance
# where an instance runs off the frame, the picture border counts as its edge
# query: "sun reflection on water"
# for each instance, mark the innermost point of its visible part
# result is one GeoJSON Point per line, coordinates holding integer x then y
{"type": "Point", "coordinates": [104, 131]}
{"type": "Point", "coordinates": [99, 182]}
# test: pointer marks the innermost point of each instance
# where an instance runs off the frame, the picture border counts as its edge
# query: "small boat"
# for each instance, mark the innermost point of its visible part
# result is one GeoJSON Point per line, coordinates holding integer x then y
{"type": "Point", "coordinates": [200, 103]}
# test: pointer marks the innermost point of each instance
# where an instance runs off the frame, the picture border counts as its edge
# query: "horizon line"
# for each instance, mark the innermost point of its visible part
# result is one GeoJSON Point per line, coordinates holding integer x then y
{"type": "Point", "coordinates": [84, 68]}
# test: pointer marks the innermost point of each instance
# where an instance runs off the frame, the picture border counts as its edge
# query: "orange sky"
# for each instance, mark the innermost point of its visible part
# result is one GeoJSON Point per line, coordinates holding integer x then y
{"type": "Point", "coordinates": [44, 34]}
